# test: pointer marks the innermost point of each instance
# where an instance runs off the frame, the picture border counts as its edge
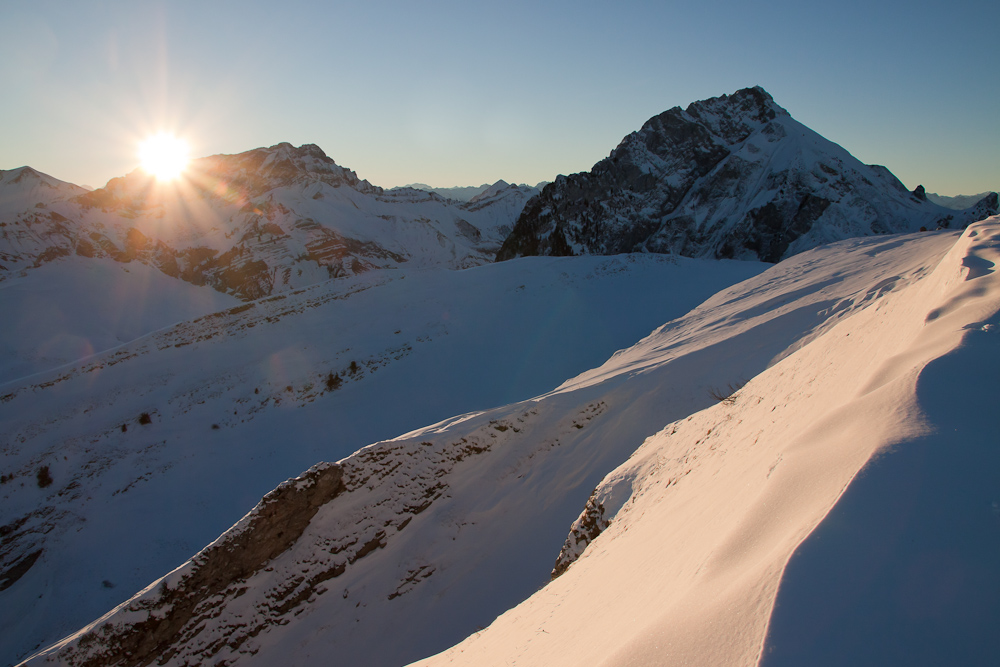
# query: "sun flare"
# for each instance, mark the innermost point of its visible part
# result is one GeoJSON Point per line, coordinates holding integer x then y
{"type": "Point", "coordinates": [164, 156]}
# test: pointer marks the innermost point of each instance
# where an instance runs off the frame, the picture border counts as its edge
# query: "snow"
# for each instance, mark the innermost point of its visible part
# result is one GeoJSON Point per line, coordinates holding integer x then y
{"type": "Point", "coordinates": [427, 344]}
{"type": "Point", "coordinates": [868, 367]}
{"type": "Point", "coordinates": [74, 307]}
{"type": "Point", "coordinates": [688, 571]}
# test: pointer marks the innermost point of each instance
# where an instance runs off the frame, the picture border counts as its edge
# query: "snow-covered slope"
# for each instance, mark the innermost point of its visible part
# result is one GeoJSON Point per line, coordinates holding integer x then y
{"type": "Point", "coordinates": [261, 222]}
{"type": "Point", "coordinates": [407, 348]}
{"type": "Point", "coordinates": [732, 176]}
{"type": "Point", "coordinates": [699, 524]}
{"type": "Point", "coordinates": [70, 309]}
{"type": "Point", "coordinates": [410, 544]}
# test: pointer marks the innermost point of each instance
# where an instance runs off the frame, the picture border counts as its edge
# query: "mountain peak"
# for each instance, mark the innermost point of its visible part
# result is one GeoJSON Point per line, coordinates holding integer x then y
{"type": "Point", "coordinates": [492, 190]}
{"type": "Point", "coordinates": [26, 175]}
{"type": "Point", "coordinates": [733, 176]}
{"type": "Point", "coordinates": [26, 178]}
{"type": "Point", "coordinates": [285, 150]}
{"type": "Point", "coordinates": [734, 117]}
{"type": "Point", "coordinates": [250, 173]}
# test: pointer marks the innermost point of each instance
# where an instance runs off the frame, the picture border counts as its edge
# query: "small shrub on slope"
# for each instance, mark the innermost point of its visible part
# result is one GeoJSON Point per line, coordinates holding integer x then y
{"type": "Point", "coordinates": [44, 478]}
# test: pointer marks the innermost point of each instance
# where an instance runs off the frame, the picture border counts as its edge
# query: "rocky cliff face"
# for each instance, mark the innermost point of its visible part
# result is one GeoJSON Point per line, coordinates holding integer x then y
{"type": "Point", "coordinates": [251, 224]}
{"type": "Point", "coordinates": [730, 177]}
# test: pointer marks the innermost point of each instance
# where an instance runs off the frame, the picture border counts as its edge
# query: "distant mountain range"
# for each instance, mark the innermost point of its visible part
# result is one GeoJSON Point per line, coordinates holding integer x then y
{"type": "Point", "coordinates": [958, 202]}
{"type": "Point", "coordinates": [730, 177]}
{"type": "Point", "coordinates": [467, 193]}
{"type": "Point", "coordinates": [253, 224]}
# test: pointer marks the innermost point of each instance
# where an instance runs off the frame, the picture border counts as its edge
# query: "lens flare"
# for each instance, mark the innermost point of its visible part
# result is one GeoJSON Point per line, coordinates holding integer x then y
{"type": "Point", "coordinates": [164, 156]}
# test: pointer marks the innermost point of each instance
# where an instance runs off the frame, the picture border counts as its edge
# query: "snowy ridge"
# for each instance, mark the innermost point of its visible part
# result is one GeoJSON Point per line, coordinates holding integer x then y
{"type": "Point", "coordinates": [734, 176]}
{"type": "Point", "coordinates": [469, 193]}
{"type": "Point", "coordinates": [718, 502]}
{"type": "Point", "coordinates": [438, 531]}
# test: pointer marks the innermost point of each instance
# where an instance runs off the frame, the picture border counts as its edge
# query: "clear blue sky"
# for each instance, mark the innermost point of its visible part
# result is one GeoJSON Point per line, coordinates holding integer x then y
{"type": "Point", "coordinates": [462, 93]}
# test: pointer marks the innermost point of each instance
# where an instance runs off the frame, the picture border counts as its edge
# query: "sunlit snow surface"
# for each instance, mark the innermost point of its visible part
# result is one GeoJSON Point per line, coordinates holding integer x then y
{"type": "Point", "coordinates": [856, 357]}
{"type": "Point", "coordinates": [903, 570]}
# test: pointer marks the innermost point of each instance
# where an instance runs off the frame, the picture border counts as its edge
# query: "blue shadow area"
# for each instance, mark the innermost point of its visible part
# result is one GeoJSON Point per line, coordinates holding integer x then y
{"type": "Point", "coordinates": [905, 570]}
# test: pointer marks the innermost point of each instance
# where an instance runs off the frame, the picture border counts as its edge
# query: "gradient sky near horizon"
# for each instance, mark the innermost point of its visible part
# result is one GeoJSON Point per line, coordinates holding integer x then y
{"type": "Point", "coordinates": [464, 93]}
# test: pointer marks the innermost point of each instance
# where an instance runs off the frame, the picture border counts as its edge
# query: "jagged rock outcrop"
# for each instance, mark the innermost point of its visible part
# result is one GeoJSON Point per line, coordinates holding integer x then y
{"type": "Point", "coordinates": [584, 530]}
{"type": "Point", "coordinates": [730, 177]}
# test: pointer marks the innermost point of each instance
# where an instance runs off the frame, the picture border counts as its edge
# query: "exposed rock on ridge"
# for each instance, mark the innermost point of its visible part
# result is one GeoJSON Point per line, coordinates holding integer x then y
{"type": "Point", "coordinates": [191, 595]}
{"type": "Point", "coordinates": [211, 609]}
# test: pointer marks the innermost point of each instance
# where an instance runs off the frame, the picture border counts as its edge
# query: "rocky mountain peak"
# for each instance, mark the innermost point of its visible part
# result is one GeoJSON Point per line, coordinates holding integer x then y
{"type": "Point", "coordinates": [20, 175]}
{"type": "Point", "coordinates": [280, 165]}
{"type": "Point", "coordinates": [733, 176]}
{"type": "Point", "coordinates": [29, 188]}
{"type": "Point", "coordinates": [242, 176]}
{"type": "Point", "coordinates": [734, 117]}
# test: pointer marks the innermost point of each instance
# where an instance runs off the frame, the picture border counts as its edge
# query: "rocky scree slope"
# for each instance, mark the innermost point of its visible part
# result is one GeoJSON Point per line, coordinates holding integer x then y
{"type": "Point", "coordinates": [251, 224]}
{"type": "Point", "coordinates": [729, 177]}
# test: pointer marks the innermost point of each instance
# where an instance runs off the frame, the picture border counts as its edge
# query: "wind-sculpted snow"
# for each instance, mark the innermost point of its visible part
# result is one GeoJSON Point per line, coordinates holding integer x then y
{"type": "Point", "coordinates": [682, 549]}
{"type": "Point", "coordinates": [730, 432]}
{"type": "Point", "coordinates": [734, 176]}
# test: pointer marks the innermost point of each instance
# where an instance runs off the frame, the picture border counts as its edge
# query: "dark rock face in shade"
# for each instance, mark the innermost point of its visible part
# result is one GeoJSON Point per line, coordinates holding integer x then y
{"type": "Point", "coordinates": [730, 177]}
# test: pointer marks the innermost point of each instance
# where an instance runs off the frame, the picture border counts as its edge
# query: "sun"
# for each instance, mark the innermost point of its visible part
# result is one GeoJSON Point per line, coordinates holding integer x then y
{"type": "Point", "coordinates": [164, 156]}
